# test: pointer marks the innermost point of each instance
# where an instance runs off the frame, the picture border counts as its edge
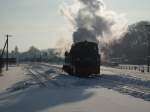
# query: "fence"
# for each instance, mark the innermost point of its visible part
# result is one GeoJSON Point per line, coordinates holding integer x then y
{"type": "Point", "coordinates": [140, 68]}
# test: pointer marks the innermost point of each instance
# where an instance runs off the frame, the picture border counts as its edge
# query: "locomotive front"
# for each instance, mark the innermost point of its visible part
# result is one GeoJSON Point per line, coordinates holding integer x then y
{"type": "Point", "coordinates": [83, 59]}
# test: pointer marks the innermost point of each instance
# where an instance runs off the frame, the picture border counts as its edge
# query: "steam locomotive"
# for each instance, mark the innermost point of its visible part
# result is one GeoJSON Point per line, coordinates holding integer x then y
{"type": "Point", "coordinates": [83, 59]}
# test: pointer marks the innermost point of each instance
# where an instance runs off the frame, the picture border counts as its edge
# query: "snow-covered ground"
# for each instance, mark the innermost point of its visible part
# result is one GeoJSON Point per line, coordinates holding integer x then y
{"type": "Point", "coordinates": [37, 87]}
{"type": "Point", "coordinates": [15, 75]}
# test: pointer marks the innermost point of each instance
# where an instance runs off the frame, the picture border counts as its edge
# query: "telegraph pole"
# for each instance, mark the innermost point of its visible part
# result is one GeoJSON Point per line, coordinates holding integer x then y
{"type": "Point", "coordinates": [7, 43]}
{"type": "Point", "coordinates": [7, 53]}
{"type": "Point", "coordinates": [7, 36]}
{"type": "Point", "coordinates": [3, 51]}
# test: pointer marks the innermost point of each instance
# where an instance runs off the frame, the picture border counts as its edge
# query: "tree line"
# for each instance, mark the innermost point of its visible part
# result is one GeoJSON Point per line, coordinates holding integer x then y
{"type": "Point", "coordinates": [133, 47]}
{"type": "Point", "coordinates": [36, 55]}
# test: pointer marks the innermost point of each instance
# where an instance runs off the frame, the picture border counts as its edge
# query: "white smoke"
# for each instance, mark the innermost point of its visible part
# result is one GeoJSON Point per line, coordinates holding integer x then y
{"type": "Point", "coordinates": [93, 22]}
{"type": "Point", "coordinates": [62, 45]}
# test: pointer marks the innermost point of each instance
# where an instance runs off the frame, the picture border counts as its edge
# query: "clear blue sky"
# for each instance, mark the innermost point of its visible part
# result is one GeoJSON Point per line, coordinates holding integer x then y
{"type": "Point", "coordinates": [38, 22]}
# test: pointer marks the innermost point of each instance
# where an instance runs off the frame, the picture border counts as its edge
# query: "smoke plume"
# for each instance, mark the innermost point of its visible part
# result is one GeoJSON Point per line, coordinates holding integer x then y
{"type": "Point", "coordinates": [91, 21]}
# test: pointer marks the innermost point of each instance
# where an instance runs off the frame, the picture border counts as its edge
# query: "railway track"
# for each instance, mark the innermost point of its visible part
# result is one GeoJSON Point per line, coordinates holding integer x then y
{"type": "Point", "coordinates": [37, 77]}
{"type": "Point", "coordinates": [42, 78]}
{"type": "Point", "coordinates": [104, 80]}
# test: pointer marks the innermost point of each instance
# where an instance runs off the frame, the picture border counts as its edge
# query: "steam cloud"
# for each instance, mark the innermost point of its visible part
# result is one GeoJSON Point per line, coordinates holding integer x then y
{"type": "Point", "coordinates": [93, 22]}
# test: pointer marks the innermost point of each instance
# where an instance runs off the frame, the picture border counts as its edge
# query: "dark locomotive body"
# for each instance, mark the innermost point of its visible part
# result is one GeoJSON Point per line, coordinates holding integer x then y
{"type": "Point", "coordinates": [83, 59]}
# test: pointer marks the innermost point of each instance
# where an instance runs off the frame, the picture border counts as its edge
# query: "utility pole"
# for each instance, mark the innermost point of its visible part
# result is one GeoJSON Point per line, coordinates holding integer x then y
{"type": "Point", "coordinates": [7, 53]}
{"type": "Point", "coordinates": [7, 60]}
{"type": "Point", "coordinates": [6, 46]}
{"type": "Point", "coordinates": [1, 56]}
